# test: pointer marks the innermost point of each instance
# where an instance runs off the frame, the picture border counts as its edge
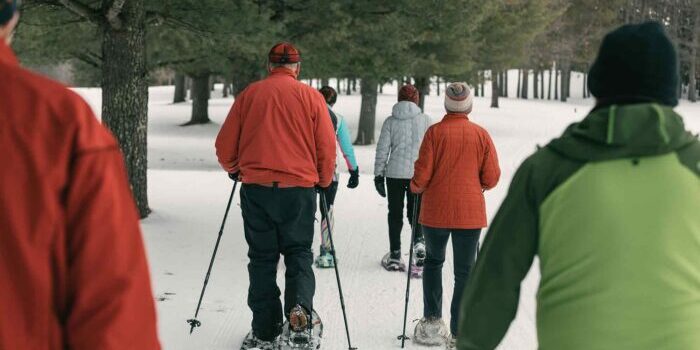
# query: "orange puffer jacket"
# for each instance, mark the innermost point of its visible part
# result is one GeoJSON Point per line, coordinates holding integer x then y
{"type": "Point", "coordinates": [73, 271]}
{"type": "Point", "coordinates": [456, 163]}
{"type": "Point", "coordinates": [279, 130]}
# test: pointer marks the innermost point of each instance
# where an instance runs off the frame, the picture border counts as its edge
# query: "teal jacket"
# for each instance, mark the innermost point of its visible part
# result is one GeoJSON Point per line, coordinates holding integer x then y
{"type": "Point", "coordinates": [343, 135]}
{"type": "Point", "coordinates": [612, 210]}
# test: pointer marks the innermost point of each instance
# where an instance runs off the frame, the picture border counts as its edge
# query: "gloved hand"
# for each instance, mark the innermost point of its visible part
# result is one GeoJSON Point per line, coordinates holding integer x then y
{"type": "Point", "coordinates": [380, 186]}
{"type": "Point", "coordinates": [354, 178]}
{"type": "Point", "coordinates": [234, 176]}
{"type": "Point", "coordinates": [321, 190]}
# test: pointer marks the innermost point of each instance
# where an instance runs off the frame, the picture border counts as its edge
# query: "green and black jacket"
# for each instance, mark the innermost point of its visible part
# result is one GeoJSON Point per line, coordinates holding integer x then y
{"type": "Point", "coordinates": [612, 210]}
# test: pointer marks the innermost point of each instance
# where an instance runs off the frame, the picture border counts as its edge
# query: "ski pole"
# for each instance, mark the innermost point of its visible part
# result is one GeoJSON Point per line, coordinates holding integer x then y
{"type": "Point", "coordinates": [193, 321]}
{"type": "Point", "coordinates": [324, 211]}
{"type": "Point", "coordinates": [414, 220]}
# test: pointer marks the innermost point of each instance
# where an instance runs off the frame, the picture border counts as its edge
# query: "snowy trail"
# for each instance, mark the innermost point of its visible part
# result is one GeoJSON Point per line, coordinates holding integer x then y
{"type": "Point", "coordinates": [188, 196]}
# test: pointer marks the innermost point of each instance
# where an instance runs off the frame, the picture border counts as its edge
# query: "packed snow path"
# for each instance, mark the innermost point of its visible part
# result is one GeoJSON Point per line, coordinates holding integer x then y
{"type": "Point", "coordinates": [188, 193]}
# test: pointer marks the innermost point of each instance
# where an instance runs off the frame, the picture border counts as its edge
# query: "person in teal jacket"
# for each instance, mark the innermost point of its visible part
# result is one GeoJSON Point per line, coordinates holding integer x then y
{"type": "Point", "coordinates": [612, 210]}
{"type": "Point", "coordinates": [325, 258]}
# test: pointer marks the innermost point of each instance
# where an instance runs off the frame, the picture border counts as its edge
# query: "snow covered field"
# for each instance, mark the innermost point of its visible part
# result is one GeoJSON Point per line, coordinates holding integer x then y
{"type": "Point", "coordinates": [188, 194]}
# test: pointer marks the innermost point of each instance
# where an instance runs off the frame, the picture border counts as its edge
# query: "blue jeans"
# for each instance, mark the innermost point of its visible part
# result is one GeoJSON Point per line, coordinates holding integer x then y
{"type": "Point", "coordinates": [464, 245]}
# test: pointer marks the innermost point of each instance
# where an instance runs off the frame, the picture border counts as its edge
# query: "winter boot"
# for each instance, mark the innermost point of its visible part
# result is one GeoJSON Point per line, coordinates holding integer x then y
{"type": "Point", "coordinates": [392, 261]}
{"type": "Point", "coordinates": [251, 342]}
{"type": "Point", "coordinates": [431, 331]}
{"type": "Point", "coordinates": [325, 259]}
{"type": "Point", "coordinates": [418, 259]}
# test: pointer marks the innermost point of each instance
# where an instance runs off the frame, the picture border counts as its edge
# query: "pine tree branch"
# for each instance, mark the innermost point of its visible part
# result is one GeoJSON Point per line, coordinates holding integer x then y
{"type": "Point", "coordinates": [113, 14]}
{"type": "Point", "coordinates": [82, 10]}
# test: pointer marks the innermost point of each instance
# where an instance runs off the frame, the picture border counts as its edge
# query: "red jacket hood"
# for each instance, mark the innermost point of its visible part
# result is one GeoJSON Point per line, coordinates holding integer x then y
{"type": "Point", "coordinates": [7, 56]}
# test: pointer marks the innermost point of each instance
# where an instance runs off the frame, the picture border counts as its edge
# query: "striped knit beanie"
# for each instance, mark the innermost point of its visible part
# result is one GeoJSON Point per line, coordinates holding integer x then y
{"type": "Point", "coordinates": [7, 10]}
{"type": "Point", "coordinates": [459, 98]}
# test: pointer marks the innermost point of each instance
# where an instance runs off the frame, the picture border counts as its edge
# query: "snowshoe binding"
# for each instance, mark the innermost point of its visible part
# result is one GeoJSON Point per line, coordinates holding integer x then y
{"type": "Point", "coordinates": [302, 331]}
{"type": "Point", "coordinates": [325, 259]}
{"type": "Point", "coordinates": [251, 342]}
{"type": "Point", "coordinates": [392, 261]}
{"type": "Point", "coordinates": [416, 271]}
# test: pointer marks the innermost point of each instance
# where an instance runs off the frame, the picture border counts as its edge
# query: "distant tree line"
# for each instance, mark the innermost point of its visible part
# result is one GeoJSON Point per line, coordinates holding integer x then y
{"type": "Point", "coordinates": [122, 45]}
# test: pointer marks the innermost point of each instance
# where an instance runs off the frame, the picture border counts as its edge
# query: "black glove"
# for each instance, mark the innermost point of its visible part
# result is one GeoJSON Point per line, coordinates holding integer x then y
{"type": "Point", "coordinates": [234, 176]}
{"type": "Point", "coordinates": [321, 190]}
{"type": "Point", "coordinates": [354, 178]}
{"type": "Point", "coordinates": [379, 185]}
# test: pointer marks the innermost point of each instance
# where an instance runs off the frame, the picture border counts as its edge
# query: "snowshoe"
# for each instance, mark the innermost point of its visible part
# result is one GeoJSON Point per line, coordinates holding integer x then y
{"type": "Point", "coordinates": [416, 271]}
{"type": "Point", "coordinates": [392, 261]}
{"type": "Point", "coordinates": [306, 335]}
{"type": "Point", "coordinates": [251, 342]}
{"type": "Point", "coordinates": [431, 332]}
{"type": "Point", "coordinates": [325, 259]}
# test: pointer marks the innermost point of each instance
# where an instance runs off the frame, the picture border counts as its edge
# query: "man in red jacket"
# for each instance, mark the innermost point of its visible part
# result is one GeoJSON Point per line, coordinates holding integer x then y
{"type": "Point", "coordinates": [279, 141]}
{"type": "Point", "coordinates": [72, 263]}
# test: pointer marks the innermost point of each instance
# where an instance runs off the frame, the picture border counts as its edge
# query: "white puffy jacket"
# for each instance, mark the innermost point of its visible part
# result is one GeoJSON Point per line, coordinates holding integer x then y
{"type": "Point", "coordinates": [400, 140]}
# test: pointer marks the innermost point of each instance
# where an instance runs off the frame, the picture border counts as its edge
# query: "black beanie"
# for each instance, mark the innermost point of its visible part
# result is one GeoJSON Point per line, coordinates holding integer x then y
{"type": "Point", "coordinates": [636, 62]}
{"type": "Point", "coordinates": [7, 10]}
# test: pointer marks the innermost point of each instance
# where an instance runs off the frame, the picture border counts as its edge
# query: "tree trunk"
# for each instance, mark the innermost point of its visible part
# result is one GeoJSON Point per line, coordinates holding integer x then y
{"type": "Point", "coordinates": [482, 81]}
{"type": "Point", "coordinates": [556, 85]}
{"type": "Point", "coordinates": [324, 82]}
{"type": "Point", "coordinates": [526, 84]}
{"type": "Point", "coordinates": [200, 100]}
{"type": "Point", "coordinates": [381, 88]}
{"type": "Point", "coordinates": [692, 80]}
{"type": "Point", "coordinates": [536, 84]}
{"type": "Point", "coordinates": [585, 85]}
{"type": "Point", "coordinates": [565, 80]}
{"type": "Point", "coordinates": [495, 89]}
{"type": "Point", "coordinates": [505, 83]}
{"type": "Point", "coordinates": [542, 84]}
{"type": "Point", "coordinates": [180, 91]}
{"type": "Point", "coordinates": [423, 86]}
{"type": "Point", "coordinates": [125, 94]}
{"type": "Point", "coordinates": [368, 111]}
{"type": "Point", "coordinates": [348, 87]}
{"type": "Point", "coordinates": [518, 88]}
{"type": "Point", "coordinates": [212, 81]}
{"type": "Point", "coordinates": [337, 85]}
{"type": "Point", "coordinates": [437, 86]}
{"type": "Point", "coordinates": [354, 85]}
{"type": "Point", "coordinates": [227, 86]}
{"type": "Point", "coordinates": [549, 89]}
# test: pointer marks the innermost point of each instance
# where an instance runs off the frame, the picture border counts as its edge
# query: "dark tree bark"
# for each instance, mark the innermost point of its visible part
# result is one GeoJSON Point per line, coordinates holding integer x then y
{"type": "Point", "coordinates": [585, 86]}
{"type": "Point", "coordinates": [337, 85]}
{"type": "Point", "coordinates": [437, 85]}
{"type": "Point", "coordinates": [381, 88]}
{"type": "Point", "coordinates": [227, 87]}
{"type": "Point", "coordinates": [519, 87]}
{"type": "Point", "coordinates": [125, 92]}
{"type": "Point", "coordinates": [495, 90]}
{"type": "Point", "coordinates": [565, 82]}
{"type": "Point", "coordinates": [549, 89]}
{"type": "Point", "coordinates": [482, 81]}
{"type": "Point", "coordinates": [505, 83]}
{"type": "Point", "coordinates": [354, 84]}
{"type": "Point", "coordinates": [542, 84]}
{"type": "Point", "coordinates": [348, 87]}
{"type": "Point", "coordinates": [536, 84]}
{"type": "Point", "coordinates": [423, 86]}
{"type": "Point", "coordinates": [368, 111]}
{"type": "Point", "coordinates": [526, 84]}
{"type": "Point", "coordinates": [180, 91]}
{"type": "Point", "coordinates": [556, 85]}
{"type": "Point", "coordinates": [200, 99]}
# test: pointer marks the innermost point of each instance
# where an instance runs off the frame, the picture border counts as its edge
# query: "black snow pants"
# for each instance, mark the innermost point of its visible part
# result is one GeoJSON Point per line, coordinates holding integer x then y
{"type": "Point", "coordinates": [278, 221]}
{"type": "Point", "coordinates": [399, 190]}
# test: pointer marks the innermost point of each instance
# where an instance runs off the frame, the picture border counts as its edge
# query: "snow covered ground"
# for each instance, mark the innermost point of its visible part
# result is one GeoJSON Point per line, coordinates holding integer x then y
{"type": "Point", "coordinates": [188, 194]}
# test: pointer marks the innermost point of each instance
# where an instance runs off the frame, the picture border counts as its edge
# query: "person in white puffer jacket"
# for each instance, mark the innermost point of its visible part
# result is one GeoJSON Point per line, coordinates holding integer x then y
{"type": "Point", "coordinates": [397, 151]}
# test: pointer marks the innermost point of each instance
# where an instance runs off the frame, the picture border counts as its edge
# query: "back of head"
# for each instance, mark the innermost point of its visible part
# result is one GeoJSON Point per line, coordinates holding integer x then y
{"type": "Point", "coordinates": [636, 63]}
{"type": "Point", "coordinates": [329, 94]}
{"type": "Point", "coordinates": [8, 8]}
{"type": "Point", "coordinates": [458, 98]}
{"type": "Point", "coordinates": [409, 93]}
{"type": "Point", "coordinates": [284, 54]}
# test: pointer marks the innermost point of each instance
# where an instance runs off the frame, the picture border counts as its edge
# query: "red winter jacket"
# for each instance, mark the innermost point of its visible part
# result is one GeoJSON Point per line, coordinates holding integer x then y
{"type": "Point", "coordinates": [73, 272]}
{"type": "Point", "coordinates": [279, 130]}
{"type": "Point", "coordinates": [457, 161]}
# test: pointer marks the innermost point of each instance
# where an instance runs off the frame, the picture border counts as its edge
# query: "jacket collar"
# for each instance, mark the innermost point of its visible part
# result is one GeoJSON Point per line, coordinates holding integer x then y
{"type": "Point", "coordinates": [451, 115]}
{"type": "Point", "coordinates": [622, 131]}
{"type": "Point", "coordinates": [7, 56]}
{"type": "Point", "coordinates": [282, 71]}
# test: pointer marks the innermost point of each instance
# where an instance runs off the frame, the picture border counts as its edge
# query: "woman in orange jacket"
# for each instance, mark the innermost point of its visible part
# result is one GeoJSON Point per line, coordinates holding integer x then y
{"type": "Point", "coordinates": [456, 164]}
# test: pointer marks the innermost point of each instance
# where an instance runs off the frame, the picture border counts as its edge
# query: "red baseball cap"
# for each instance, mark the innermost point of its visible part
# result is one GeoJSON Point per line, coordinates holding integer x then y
{"type": "Point", "coordinates": [284, 52]}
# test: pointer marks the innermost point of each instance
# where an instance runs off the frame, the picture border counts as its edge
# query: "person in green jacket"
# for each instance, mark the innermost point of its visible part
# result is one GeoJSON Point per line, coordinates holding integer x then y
{"type": "Point", "coordinates": [612, 210]}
